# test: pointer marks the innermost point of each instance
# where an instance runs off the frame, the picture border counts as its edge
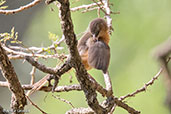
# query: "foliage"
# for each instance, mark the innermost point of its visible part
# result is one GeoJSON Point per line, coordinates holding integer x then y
{"type": "Point", "coordinates": [12, 37]}
{"type": "Point", "coordinates": [2, 2]}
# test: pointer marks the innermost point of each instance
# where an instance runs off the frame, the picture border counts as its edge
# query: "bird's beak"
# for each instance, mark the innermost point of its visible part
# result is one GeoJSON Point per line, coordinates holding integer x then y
{"type": "Point", "coordinates": [94, 37]}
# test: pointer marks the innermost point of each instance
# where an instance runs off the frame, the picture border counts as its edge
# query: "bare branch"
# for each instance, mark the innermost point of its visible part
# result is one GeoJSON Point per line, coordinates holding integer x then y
{"type": "Point", "coordinates": [48, 88]}
{"type": "Point", "coordinates": [32, 73]}
{"type": "Point", "coordinates": [19, 101]}
{"type": "Point", "coordinates": [39, 66]}
{"type": "Point", "coordinates": [101, 8]}
{"type": "Point", "coordinates": [86, 7]}
{"type": "Point", "coordinates": [113, 109]}
{"type": "Point", "coordinates": [70, 39]}
{"type": "Point", "coordinates": [144, 87]}
{"type": "Point", "coordinates": [78, 88]}
{"type": "Point", "coordinates": [108, 15]}
{"type": "Point", "coordinates": [64, 100]}
{"type": "Point", "coordinates": [87, 83]}
{"type": "Point", "coordinates": [23, 54]}
{"type": "Point", "coordinates": [38, 85]}
{"type": "Point", "coordinates": [43, 112]}
{"type": "Point", "coordinates": [90, 9]}
{"type": "Point", "coordinates": [80, 111]}
{"type": "Point", "coordinates": [126, 107]}
{"type": "Point", "coordinates": [33, 3]}
{"type": "Point", "coordinates": [37, 49]}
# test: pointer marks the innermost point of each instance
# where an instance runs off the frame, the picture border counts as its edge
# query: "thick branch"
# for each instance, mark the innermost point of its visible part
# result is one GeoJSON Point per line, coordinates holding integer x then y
{"type": "Point", "coordinates": [39, 66]}
{"type": "Point", "coordinates": [82, 76]}
{"type": "Point", "coordinates": [58, 71]}
{"type": "Point", "coordinates": [66, 88]}
{"type": "Point", "coordinates": [78, 88]}
{"type": "Point", "coordinates": [19, 100]}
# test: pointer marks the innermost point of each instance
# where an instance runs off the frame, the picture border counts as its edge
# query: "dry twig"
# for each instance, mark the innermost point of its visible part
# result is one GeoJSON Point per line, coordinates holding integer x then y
{"type": "Point", "coordinates": [43, 112]}
{"type": "Point", "coordinates": [144, 87]}
{"type": "Point", "coordinates": [64, 100]}
{"type": "Point", "coordinates": [33, 3]}
{"type": "Point", "coordinates": [86, 7]}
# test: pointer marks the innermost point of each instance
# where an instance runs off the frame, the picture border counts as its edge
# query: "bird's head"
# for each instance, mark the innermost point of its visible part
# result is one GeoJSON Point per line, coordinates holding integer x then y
{"type": "Point", "coordinates": [98, 27]}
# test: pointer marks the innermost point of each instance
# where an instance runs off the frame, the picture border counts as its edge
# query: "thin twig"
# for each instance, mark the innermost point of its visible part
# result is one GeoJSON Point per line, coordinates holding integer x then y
{"type": "Point", "coordinates": [38, 85]}
{"type": "Point", "coordinates": [90, 9]}
{"type": "Point", "coordinates": [33, 3]}
{"type": "Point", "coordinates": [125, 106]}
{"type": "Point", "coordinates": [108, 15]}
{"type": "Point", "coordinates": [64, 100]}
{"type": "Point", "coordinates": [43, 112]}
{"type": "Point", "coordinates": [98, 12]}
{"type": "Point", "coordinates": [23, 54]}
{"type": "Point", "coordinates": [38, 49]}
{"type": "Point", "coordinates": [86, 7]}
{"type": "Point", "coordinates": [113, 109]}
{"type": "Point", "coordinates": [32, 73]}
{"type": "Point", "coordinates": [144, 88]}
{"type": "Point", "coordinates": [100, 7]}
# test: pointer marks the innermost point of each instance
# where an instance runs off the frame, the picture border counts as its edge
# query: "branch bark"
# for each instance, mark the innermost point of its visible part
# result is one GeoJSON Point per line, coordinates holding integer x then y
{"type": "Point", "coordinates": [18, 101]}
{"type": "Point", "coordinates": [65, 88]}
{"type": "Point", "coordinates": [33, 3]}
{"type": "Point", "coordinates": [81, 73]}
{"type": "Point", "coordinates": [2, 111]}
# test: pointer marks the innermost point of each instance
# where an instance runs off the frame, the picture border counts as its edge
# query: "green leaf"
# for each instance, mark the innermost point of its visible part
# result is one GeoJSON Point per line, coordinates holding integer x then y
{"type": "Point", "coordinates": [3, 7]}
{"type": "Point", "coordinates": [55, 45]}
{"type": "Point", "coordinates": [52, 36]}
{"type": "Point", "coordinates": [16, 35]}
{"type": "Point", "coordinates": [12, 32]}
{"type": "Point", "coordinates": [13, 42]}
{"type": "Point", "coordinates": [2, 2]}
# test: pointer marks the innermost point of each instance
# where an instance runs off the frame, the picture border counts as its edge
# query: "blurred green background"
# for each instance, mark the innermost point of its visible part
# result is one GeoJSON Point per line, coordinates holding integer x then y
{"type": "Point", "coordinates": [140, 26]}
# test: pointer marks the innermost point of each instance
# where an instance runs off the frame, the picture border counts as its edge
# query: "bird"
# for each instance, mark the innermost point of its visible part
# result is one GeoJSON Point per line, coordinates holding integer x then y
{"type": "Point", "coordinates": [93, 46]}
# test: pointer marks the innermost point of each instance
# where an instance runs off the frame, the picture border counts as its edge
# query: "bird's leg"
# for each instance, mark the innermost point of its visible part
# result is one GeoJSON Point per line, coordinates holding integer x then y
{"type": "Point", "coordinates": [108, 83]}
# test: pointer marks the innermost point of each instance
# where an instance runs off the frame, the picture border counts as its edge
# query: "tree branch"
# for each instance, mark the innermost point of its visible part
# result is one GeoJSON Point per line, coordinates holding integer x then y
{"type": "Point", "coordinates": [108, 15]}
{"type": "Point", "coordinates": [81, 73]}
{"type": "Point", "coordinates": [126, 107]}
{"type": "Point", "coordinates": [19, 101]}
{"type": "Point", "coordinates": [2, 111]}
{"type": "Point", "coordinates": [88, 6]}
{"type": "Point", "coordinates": [39, 66]}
{"type": "Point", "coordinates": [66, 88]}
{"type": "Point", "coordinates": [144, 88]}
{"type": "Point", "coordinates": [33, 3]}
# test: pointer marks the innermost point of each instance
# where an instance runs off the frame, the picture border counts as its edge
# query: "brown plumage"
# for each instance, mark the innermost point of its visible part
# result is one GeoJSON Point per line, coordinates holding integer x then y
{"type": "Point", "coordinates": [93, 46]}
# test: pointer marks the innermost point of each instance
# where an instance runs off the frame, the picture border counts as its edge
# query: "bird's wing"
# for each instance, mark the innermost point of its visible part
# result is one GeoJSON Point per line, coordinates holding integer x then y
{"type": "Point", "coordinates": [99, 56]}
{"type": "Point", "coordinates": [82, 44]}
